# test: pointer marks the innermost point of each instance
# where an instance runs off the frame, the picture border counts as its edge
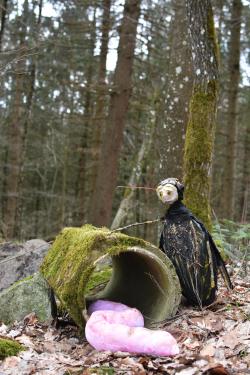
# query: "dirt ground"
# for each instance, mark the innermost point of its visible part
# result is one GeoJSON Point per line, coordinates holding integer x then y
{"type": "Point", "coordinates": [214, 341]}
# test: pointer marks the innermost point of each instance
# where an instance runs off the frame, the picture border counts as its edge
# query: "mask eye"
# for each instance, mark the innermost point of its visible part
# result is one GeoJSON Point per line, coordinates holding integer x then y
{"type": "Point", "coordinates": [169, 192]}
{"type": "Point", "coordinates": [161, 194]}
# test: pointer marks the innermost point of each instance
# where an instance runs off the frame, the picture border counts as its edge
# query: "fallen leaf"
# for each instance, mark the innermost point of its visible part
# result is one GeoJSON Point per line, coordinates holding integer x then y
{"type": "Point", "coordinates": [218, 370]}
{"type": "Point", "coordinates": [208, 350]}
{"type": "Point", "coordinates": [210, 321]}
{"type": "Point", "coordinates": [11, 362]}
{"type": "Point", "coordinates": [30, 319]}
{"type": "Point", "coordinates": [188, 371]}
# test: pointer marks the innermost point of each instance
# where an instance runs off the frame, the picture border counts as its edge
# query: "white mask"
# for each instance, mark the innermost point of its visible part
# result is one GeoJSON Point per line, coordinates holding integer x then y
{"type": "Point", "coordinates": [167, 193]}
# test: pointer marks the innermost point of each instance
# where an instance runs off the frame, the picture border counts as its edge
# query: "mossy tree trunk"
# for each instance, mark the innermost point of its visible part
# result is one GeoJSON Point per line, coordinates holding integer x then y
{"type": "Point", "coordinates": [202, 111]}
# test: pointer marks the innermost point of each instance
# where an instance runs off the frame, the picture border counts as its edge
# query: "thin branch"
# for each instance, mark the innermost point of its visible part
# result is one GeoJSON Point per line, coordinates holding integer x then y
{"type": "Point", "coordinates": [136, 224]}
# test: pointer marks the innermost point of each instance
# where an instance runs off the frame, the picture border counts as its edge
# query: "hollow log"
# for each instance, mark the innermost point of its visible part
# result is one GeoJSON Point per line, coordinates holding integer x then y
{"type": "Point", "coordinates": [88, 263]}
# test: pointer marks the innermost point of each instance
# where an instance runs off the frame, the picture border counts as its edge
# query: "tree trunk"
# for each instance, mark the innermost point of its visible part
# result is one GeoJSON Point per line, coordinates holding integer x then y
{"type": "Point", "coordinates": [245, 201]}
{"type": "Point", "coordinates": [127, 205]}
{"type": "Point", "coordinates": [26, 126]}
{"type": "Point", "coordinates": [99, 115]}
{"type": "Point", "coordinates": [15, 137]}
{"type": "Point", "coordinates": [179, 87]}
{"type": "Point", "coordinates": [3, 19]}
{"type": "Point", "coordinates": [113, 137]}
{"type": "Point", "coordinates": [82, 202]}
{"type": "Point", "coordinates": [228, 185]}
{"type": "Point", "coordinates": [202, 112]}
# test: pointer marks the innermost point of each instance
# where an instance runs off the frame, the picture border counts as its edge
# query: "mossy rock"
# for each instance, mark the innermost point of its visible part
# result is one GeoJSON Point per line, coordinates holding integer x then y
{"type": "Point", "coordinates": [9, 347]}
{"type": "Point", "coordinates": [31, 294]}
{"type": "Point", "coordinates": [78, 270]}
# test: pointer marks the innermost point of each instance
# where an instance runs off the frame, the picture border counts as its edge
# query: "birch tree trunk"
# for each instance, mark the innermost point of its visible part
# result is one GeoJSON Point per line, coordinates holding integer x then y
{"type": "Point", "coordinates": [113, 137]}
{"type": "Point", "coordinates": [202, 112]}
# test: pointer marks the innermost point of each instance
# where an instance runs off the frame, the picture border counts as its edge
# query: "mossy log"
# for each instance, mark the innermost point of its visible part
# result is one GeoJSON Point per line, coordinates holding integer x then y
{"type": "Point", "coordinates": [85, 264]}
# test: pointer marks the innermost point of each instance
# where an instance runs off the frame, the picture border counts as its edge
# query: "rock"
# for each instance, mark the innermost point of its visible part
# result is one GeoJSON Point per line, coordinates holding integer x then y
{"type": "Point", "coordinates": [18, 261]}
{"type": "Point", "coordinates": [29, 295]}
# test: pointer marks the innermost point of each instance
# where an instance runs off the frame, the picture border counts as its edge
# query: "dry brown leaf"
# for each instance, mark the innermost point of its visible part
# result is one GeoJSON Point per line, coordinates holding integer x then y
{"type": "Point", "coordinates": [191, 344]}
{"type": "Point", "coordinates": [211, 322]}
{"type": "Point", "coordinates": [218, 370]}
{"type": "Point", "coordinates": [230, 340]}
{"type": "Point", "coordinates": [30, 319]}
{"type": "Point", "coordinates": [11, 362]}
{"type": "Point", "coordinates": [188, 371]}
{"type": "Point", "coordinates": [208, 350]}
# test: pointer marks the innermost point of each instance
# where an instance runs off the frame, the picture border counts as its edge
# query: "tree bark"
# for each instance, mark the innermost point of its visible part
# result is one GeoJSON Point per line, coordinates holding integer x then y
{"type": "Point", "coordinates": [99, 115]}
{"type": "Point", "coordinates": [3, 20]}
{"type": "Point", "coordinates": [26, 126]}
{"type": "Point", "coordinates": [127, 205]}
{"type": "Point", "coordinates": [202, 112]}
{"type": "Point", "coordinates": [15, 137]}
{"type": "Point", "coordinates": [179, 88]}
{"type": "Point", "coordinates": [228, 186]}
{"type": "Point", "coordinates": [82, 202]}
{"type": "Point", "coordinates": [113, 137]}
{"type": "Point", "coordinates": [244, 201]}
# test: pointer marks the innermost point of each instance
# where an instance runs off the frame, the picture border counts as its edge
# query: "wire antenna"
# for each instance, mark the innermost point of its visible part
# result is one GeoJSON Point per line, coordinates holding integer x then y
{"type": "Point", "coordinates": [135, 187]}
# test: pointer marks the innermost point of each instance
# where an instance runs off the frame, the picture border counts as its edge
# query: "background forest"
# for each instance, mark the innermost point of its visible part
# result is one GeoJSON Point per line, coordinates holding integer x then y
{"type": "Point", "coordinates": [77, 123]}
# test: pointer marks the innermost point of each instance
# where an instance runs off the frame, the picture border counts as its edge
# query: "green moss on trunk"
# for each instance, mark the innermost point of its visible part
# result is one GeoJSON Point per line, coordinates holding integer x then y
{"type": "Point", "coordinates": [198, 151]}
{"type": "Point", "coordinates": [9, 347]}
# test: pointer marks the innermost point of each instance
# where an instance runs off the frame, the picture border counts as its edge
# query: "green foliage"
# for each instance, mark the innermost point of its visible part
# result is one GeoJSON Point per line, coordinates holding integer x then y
{"type": "Point", "coordinates": [232, 238]}
{"type": "Point", "coordinates": [9, 347]}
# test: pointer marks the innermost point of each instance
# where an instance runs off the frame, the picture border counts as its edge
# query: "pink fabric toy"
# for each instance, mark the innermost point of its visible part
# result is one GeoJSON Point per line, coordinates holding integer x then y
{"type": "Point", "coordinates": [117, 327]}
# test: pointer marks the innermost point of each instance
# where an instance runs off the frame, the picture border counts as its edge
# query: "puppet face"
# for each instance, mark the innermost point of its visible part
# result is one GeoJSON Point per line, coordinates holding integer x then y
{"type": "Point", "coordinates": [167, 193]}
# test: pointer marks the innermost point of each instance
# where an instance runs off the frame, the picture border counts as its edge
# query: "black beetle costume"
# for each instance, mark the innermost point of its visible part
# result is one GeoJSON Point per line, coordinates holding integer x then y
{"type": "Point", "coordinates": [189, 245]}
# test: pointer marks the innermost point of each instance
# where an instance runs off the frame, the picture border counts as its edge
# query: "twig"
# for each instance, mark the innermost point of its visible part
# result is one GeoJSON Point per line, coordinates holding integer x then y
{"type": "Point", "coordinates": [135, 224]}
{"type": "Point", "coordinates": [242, 263]}
{"type": "Point", "coordinates": [135, 187]}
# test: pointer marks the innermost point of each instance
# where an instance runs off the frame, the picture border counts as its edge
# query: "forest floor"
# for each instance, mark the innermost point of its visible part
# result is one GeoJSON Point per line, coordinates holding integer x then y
{"type": "Point", "coordinates": [214, 341]}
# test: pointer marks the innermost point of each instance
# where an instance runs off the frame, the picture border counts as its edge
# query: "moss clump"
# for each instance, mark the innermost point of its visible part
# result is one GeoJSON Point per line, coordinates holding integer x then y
{"type": "Point", "coordinates": [98, 279]}
{"type": "Point", "coordinates": [198, 151]}
{"type": "Point", "coordinates": [70, 263]}
{"type": "Point", "coordinates": [9, 347]}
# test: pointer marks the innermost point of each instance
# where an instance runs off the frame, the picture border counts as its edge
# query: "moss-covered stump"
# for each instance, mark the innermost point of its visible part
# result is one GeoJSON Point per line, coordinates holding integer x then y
{"type": "Point", "coordinates": [9, 347]}
{"type": "Point", "coordinates": [78, 270]}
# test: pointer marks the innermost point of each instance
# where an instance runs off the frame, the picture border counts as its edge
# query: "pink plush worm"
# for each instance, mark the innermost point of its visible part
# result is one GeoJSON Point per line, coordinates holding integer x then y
{"type": "Point", "coordinates": [120, 328]}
